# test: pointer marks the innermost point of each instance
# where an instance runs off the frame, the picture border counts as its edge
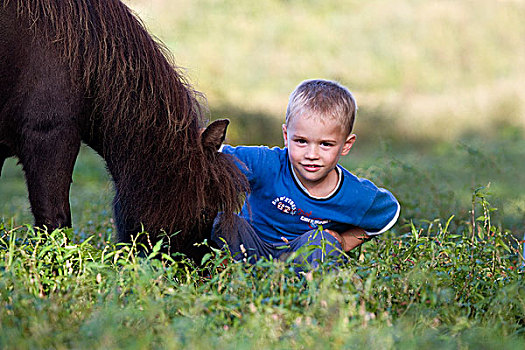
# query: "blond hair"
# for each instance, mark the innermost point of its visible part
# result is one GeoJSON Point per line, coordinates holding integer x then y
{"type": "Point", "coordinates": [323, 99]}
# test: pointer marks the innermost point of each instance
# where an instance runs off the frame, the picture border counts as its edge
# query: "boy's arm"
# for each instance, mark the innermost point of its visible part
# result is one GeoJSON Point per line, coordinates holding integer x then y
{"type": "Point", "coordinates": [350, 239]}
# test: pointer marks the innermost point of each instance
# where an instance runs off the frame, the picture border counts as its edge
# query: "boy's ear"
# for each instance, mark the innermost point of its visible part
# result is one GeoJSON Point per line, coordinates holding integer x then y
{"type": "Point", "coordinates": [285, 135]}
{"type": "Point", "coordinates": [348, 144]}
{"type": "Point", "coordinates": [213, 136]}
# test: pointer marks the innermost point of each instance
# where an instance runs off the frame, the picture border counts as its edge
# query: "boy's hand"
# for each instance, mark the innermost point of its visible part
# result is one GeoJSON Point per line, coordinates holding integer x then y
{"type": "Point", "coordinates": [350, 239]}
{"type": "Point", "coordinates": [338, 237]}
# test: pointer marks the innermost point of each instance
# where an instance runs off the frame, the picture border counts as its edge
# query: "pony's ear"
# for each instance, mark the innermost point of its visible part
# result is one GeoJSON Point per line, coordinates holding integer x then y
{"type": "Point", "coordinates": [213, 136]}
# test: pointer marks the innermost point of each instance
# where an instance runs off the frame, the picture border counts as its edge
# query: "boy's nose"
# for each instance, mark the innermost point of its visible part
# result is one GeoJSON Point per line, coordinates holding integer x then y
{"type": "Point", "coordinates": [312, 152]}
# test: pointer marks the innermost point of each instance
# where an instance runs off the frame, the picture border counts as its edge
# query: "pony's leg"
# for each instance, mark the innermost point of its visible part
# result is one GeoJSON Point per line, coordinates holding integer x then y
{"type": "Point", "coordinates": [124, 227]}
{"type": "Point", "coordinates": [48, 157]}
{"type": "Point", "coordinates": [126, 224]}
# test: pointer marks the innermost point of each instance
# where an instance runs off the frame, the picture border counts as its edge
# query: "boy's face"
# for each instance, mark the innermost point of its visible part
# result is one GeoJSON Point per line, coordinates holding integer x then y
{"type": "Point", "coordinates": [314, 148]}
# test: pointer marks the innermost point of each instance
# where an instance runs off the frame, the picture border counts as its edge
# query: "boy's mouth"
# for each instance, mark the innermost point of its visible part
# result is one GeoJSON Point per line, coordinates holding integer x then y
{"type": "Point", "coordinates": [311, 167]}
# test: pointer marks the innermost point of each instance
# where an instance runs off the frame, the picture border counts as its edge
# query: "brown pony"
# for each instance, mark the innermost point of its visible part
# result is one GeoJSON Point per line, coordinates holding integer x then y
{"type": "Point", "coordinates": [75, 71]}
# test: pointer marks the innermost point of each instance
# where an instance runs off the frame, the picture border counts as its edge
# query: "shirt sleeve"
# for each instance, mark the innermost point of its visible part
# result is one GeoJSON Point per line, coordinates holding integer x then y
{"type": "Point", "coordinates": [249, 159]}
{"type": "Point", "coordinates": [382, 213]}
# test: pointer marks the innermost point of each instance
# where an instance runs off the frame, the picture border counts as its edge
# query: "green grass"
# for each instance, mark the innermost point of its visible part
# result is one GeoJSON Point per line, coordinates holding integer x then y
{"type": "Point", "coordinates": [437, 180]}
{"type": "Point", "coordinates": [431, 288]}
{"type": "Point", "coordinates": [432, 281]}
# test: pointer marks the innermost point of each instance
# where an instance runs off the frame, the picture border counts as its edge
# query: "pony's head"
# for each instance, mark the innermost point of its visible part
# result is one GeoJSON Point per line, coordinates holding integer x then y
{"type": "Point", "coordinates": [184, 202]}
{"type": "Point", "coordinates": [227, 186]}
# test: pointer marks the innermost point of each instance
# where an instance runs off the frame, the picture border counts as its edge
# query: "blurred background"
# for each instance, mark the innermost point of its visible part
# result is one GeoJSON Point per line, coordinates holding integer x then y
{"type": "Point", "coordinates": [440, 87]}
{"type": "Point", "coordinates": [422, 70]}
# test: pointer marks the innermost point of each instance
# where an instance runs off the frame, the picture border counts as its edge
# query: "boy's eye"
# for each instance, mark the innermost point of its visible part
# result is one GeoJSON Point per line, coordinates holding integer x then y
{"type": "Point", "coordinates": [301, 141]}
{"type": "Point", "coordinates": [327, 144]}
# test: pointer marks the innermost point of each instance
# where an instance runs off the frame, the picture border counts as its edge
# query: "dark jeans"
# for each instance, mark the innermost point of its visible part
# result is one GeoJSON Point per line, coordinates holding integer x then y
{"type": "Point", "coordinates": [243, 242]}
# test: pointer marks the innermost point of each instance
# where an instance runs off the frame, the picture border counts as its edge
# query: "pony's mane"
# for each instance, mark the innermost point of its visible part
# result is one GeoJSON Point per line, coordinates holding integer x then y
{"type": "Point", "coordinates": [130, 73]}
{"type": "Point", "coordinates": [148, 114]}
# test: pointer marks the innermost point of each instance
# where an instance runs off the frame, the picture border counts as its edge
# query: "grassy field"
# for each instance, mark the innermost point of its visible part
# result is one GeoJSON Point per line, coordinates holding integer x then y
{"type": "Point", "coordinates": [433, 281]}
{"type": "Point", "coordinates": [440, 124]}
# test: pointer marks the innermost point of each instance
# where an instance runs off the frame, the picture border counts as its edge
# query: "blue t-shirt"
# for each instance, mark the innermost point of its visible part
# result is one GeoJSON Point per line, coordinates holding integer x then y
{"type": "Point", "coordinates": [279, 206]}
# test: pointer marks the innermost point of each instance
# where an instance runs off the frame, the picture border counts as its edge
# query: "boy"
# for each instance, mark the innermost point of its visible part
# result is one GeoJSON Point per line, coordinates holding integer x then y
{"type": "Point", "coordinates": [297, 190]}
